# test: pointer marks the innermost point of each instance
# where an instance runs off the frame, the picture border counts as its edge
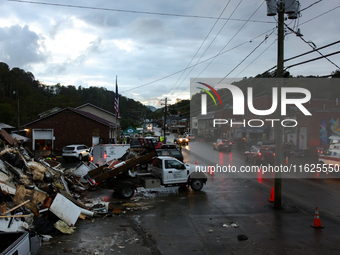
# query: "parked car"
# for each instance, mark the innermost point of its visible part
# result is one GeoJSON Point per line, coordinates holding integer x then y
{"type": "Point", "coordinates": [168, 146]}
{"type": "Point", "coordinates": [76, 151]}
{"type": "Point", "coordinates": [191, 137]}
{"type": "Point", "coordinates": [170, 152]}
{"type": "Point", "coordinates": [222, 144]}
{"type": "Point", "coordinates": [157, 143]}
{"type": "Point", "coordinates": [181, 139]}
{"type": "Point", "coordinates": [258, 154]}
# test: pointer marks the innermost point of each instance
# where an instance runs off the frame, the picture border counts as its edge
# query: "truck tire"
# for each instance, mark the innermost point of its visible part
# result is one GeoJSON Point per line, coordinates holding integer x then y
{"type": "Point", "coordinates": [126, 191]}
{"type": "Point", "coordinates": [196, 184]}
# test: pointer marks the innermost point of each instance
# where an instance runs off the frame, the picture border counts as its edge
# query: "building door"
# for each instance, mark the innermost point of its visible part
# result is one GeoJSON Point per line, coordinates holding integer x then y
{"type": "Point", "coordinates": [42, 139]}
{"type": "Point", "coordinates": [95, 140]}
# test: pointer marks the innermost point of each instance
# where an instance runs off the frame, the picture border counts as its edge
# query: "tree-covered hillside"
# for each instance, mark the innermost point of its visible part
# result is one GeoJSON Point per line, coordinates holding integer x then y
{"type": "Point", "coordinates": [20, 87]}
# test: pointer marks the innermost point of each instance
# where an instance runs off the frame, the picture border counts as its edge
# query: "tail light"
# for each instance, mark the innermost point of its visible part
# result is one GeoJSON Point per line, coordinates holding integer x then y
{"type": "Point", "coordinates": [274, 154]}
{"type": "Point", "coordinates": [91, 158]}
{"type": "Point", "coordinates": [230, 143]}
{"type": "Point", "coordinates": [105, 156]}
{"type": "Point", "coordinates": [260, 153]}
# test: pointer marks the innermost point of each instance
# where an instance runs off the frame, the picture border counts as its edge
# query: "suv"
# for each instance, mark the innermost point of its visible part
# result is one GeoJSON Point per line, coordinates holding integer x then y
{"type": "Point", "coordinates": [181, 139]}
{"type": "Point", "coordinates": [222, 144]}
{"type": "Point", "coordinates": [191, 137]}
{"type": "Point", "coordinates": [168, 146]}
{"type": "Point", "coordinates": [76, 151]}
{"type": "Point", "coordinates": [170, 152]}
{"type": "Point", "coordinates": [260, 154]}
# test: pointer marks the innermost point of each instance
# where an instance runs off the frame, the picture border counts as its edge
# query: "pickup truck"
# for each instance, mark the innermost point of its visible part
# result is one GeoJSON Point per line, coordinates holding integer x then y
{"type": "Point", "coordinates": [173, 172]}
{"type": "Point", "coordinates": [166, 171]}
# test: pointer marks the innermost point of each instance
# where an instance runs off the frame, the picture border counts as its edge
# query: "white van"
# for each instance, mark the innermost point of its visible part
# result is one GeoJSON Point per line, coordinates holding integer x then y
{"type": "Point", "coordinates": [103, 153]}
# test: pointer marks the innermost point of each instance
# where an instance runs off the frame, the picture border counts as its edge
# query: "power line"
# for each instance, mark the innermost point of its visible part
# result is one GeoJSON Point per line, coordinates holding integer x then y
{"type": "Point", "coordinates": [313, 47]}
{"type": "Point", "coordinates": [320, 15]}
{"type": "Point", "coordinates": [202, 43]}
{"type": "Point", "coordinates": [256, 57]}
{"type": "Point", "coordinates": [185, 68]}
{"type": "Point", "coordinates": [231, 49]}
{"type": "Point", "coordinates": [311, 60]}
{"type": "Point", "coordinates": [308, 52]}
{"type": "Point", "coordinates": [210, 44]}
{"type": "Point", "coordinates": [130, 11]}
{"type": "Point", "coordinates": [228, 43]}
{"type": "Point", "coordinates": [310, 5]}
{"type": "Point", "coordinates": [247, 55]}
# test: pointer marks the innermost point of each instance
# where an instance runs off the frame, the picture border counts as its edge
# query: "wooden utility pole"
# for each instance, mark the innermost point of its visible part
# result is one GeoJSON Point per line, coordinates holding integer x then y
{"type": "Point", "coordinates": [279, 128]}
{"type": "Point", "coordinates": [165, 112]}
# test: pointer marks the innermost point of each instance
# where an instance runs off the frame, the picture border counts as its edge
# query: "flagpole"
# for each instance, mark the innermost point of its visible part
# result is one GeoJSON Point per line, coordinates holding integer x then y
{"type": "Point", "coordinates": [116, 115]}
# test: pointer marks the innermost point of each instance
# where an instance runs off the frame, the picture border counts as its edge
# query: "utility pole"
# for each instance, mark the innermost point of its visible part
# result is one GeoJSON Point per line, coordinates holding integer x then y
{"type": "Point", "coordinates": [280, 7]}
{"type": "Point", "coordinates": [279, 128]}
{"type": "Point", "coordinates": [18, 112]}
{"type": "Point", "coordinates": [165, 113]}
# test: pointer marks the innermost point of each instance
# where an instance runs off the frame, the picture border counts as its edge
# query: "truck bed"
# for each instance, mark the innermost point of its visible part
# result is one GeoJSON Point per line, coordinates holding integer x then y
{"type": "Point", "coordinates": [103, 172]}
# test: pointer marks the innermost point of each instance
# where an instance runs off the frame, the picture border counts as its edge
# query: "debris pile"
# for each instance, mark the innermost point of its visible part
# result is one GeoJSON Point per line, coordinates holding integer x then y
{"type": "Point", "coordinates": [37, 195]}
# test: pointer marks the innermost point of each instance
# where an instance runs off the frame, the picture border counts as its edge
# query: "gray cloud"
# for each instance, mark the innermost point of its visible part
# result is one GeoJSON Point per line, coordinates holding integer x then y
{"type": "Point", "coordinates": [20, 47]}
{"type": "Point", "coordinates": [142, 48]}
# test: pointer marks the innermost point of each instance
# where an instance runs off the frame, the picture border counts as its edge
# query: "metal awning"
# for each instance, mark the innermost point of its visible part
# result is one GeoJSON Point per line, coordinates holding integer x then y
{"type": "Point", "coordinates": [19, 137]}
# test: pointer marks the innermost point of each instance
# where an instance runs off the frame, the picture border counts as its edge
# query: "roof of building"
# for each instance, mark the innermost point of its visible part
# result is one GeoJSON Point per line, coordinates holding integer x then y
{"type": "Point", "coordinates": [94, 106]}
{"type": "Point", "coordinates": [83, 113]}
{"type": "Point", "coordinates": [3, 125]}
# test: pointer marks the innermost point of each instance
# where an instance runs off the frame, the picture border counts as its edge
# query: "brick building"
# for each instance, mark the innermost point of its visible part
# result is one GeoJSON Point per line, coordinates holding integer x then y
{"type": "Point", "coordinates": [69, 126]}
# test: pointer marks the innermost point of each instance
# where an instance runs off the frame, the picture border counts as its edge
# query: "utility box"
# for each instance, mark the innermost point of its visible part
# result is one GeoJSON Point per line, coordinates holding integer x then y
{"type": "Point", "coordinates": [152, 183]}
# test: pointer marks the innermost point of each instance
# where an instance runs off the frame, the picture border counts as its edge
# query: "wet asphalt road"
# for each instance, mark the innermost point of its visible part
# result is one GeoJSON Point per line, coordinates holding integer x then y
{"type": "Point", "coordinates": [190, 222]}
{"type": "Point", "coordinates": [174, 221]}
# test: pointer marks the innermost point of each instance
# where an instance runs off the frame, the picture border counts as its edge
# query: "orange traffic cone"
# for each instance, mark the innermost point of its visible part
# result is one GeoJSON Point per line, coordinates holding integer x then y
{"type": "Point", "coordinates": [286, 160]}
{"type": "Point", "coordinates": [212, 172]}
{"type": "Point", "coordinates": [196, 162]}
{"type": "Point", "coordinates": [271, 198]}
{"type": "Point", "coordinates": [317, 221]}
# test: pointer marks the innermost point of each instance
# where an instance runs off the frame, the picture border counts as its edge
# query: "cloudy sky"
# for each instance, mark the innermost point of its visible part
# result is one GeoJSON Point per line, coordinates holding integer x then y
{"type": "Point", "coordinates": [155, 47]}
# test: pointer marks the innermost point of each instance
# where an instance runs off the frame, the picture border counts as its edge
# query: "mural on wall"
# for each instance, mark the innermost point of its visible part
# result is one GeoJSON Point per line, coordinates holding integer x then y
{"type": "Point", "coordinates": [329, 129]}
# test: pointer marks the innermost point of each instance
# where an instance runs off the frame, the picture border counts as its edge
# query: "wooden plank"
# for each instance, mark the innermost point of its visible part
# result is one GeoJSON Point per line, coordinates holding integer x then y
{"type": "Point", "coordinates": [13, 216]}
{"type": "Point", "coordinates": [15, 207]}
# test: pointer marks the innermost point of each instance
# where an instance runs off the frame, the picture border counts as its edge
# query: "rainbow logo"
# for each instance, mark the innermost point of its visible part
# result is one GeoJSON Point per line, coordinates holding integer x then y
{"type": "Point", "coordinates": [213, 90]}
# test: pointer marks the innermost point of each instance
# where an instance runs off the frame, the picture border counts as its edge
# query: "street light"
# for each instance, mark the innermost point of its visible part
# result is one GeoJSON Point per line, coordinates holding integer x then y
{"type": "Point", "coordinates": [16, 92]}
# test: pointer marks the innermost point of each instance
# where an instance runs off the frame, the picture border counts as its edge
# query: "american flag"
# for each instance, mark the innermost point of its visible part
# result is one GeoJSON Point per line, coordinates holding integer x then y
{"type": "Point", "coordinates": [117, 101]}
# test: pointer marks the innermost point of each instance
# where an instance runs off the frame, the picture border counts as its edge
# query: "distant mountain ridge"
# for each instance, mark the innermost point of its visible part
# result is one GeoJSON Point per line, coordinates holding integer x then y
{"type": "Point", "coordinates": [152, 108]}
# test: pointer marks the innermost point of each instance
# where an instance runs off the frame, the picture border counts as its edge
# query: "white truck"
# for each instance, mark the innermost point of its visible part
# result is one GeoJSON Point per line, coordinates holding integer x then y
{"type": "Point", "coordinates": [331, 156]}
{"type": "Point", "coordinates": [166, 171]}
{"type": "Point", "coordinates": [100, 154]}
